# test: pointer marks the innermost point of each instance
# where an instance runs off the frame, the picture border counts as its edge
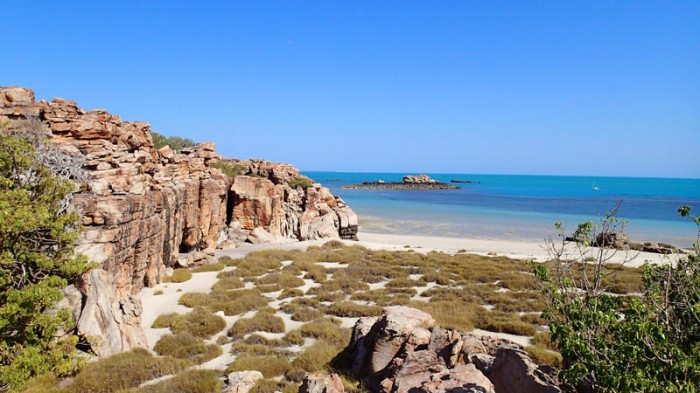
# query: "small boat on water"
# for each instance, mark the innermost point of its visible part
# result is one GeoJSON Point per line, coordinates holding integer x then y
{"type": "Point", "coordinates": [594, 187]}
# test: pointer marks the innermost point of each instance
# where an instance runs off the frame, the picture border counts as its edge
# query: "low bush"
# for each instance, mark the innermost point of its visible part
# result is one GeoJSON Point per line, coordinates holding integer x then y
{"type": "Point", "coordinates": [230, 170]}
{"type": "Point", "coordinates": [328, 330]}
{"type": "Point", "coordinates": [544, 356]}
{"type": "Point", "coordinates": [263, 321]}
{"type": "Point", "coordinates": [269, 366]}
{"type": "Point", "coordinates": [290, 293]}
{"type": "Point", "coordinates": [213, 267]}
{"type": "Point", "coordinates": [191, 381]}
{"type": "Point", "coordinates": [179, 275]}
{"type": "Point", "coordinates": [316, 357]}
{"type": "Point", "coordinates": [194, 299]}
{"type": "Point", "coordinates": [353, 310]}
{"type": "Point", "coordinates": [300, 181]}
{"type": "Point", "coordinates": [306, 314]}
{"type": "Point", "coordinates": [125, 370]}
{"type": "Point", "coordinates": [187, 346]}
{"type": "Point", "coordinates": [199, 323]}
{"type": "Point", "coordinates": [282, 280]}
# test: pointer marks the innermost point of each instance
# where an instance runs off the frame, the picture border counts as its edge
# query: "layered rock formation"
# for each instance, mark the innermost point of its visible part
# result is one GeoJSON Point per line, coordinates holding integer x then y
{"type": "Point", "coordinates": [287, 205]}
{"type": "Point", "coordinates": [402, 352]}
{"type": "Point", "coordinates": [141, 207]}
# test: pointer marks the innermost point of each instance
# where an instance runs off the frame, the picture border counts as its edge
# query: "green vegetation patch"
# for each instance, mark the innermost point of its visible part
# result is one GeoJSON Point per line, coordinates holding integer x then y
{"type": "Point", "coordinates": [175, 142]}
{"type": "Point", "coordinates": [301, 181]}
{"type": "Point", "coordinates": [191, 381]}
{"type": "Point", "coordinates": [212, 267]}
{"type": "Point", "coordinates": [186, 346]}
{"type": "Point", "coordinates": [179, 275]}
{"type": "Point", "coordinates": [199, 323]}
{"type": "Point", "coordinates": [264, 321]}
{"type": "Point", "coordinates": [228, 169]}
{"type": "Point", "coordinates": [269, 366]}
{"type": "Point", "coordinates": [125, 370]}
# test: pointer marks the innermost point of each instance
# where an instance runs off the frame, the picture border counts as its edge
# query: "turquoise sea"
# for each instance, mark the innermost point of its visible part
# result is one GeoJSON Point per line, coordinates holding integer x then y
{"type": "Point", "coordinates": [521, 207]}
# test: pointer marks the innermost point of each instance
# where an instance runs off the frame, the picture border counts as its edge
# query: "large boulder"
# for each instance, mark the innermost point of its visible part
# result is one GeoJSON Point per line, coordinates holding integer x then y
{"type": "Point", "coordinates": [115, 322]}
{"type": "Point", "coordinates": [241, 381]}
{"type": "Point", "coordinates": [396, 353]}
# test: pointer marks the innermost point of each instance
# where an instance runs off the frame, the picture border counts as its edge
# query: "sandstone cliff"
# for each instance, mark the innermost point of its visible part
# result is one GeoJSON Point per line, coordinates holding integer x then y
{"type": "Point", "coordinates": [141, 207]}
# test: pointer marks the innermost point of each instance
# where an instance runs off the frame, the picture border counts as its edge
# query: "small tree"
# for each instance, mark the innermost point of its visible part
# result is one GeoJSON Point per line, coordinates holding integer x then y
{"type": "Point", "coordinates": [610, 343]}
{"type": "Point", "coordinates": [36, 262]}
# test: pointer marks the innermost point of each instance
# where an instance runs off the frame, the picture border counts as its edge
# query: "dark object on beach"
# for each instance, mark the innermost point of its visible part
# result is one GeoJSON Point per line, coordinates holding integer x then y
{"type": "Point", "coordinates": [418, 182]}
{"type": "Point", "coordinates": [465, 181]}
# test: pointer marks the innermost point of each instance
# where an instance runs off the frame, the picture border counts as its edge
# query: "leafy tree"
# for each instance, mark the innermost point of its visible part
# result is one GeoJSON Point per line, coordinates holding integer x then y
{"type": "Point", "coordinates": [36, 262]}
{"type": "Point", "coordinates": [645, 343]}
{"type": "Point", "coordinates": [175, 142]}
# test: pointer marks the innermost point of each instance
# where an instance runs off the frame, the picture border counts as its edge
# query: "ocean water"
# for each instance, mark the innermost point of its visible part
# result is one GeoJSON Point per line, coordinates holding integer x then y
{"type": "Point", "coordinates": [522, 207]}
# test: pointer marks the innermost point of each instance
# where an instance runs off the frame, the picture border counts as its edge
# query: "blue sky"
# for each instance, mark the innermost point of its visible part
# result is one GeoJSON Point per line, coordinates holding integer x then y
{"type": "Point", "coordinates": [540, 87]}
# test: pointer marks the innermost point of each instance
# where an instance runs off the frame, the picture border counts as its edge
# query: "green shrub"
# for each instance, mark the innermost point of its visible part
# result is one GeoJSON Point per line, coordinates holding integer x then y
{"type": "Point", "coordinates": [237, 302]}
{"type": "Point", "coordinates": [327, 330]}
{"type": "Point", "coordinates": [282, 280]}
{"type": "Point", "coordinates": [353, 310]}
{"type": "Point", "coordinates": [199, 323]}
{"type": "Point", "coordinates": [175, 142]}
{"type": "Point", "coordinates": [179, 275]}
{"type": "Point", "coordinates": [187, 346]}
{"type": "Point", "coordinates": [290, 293]}
{"type": "Point", "coordinates": [158, 292]}
{"type": "Point", "coordinates": [125, 370]}
{"type": "Point", "coordinates": [269, 366]}
{"type": "Point", "coordinates": [306, 314]}
{"type": "Point", "coordinates": [317, 357]}
{"type": "Point", "coordinates": [230, 170]}
{"type": "Point", "coordinates": [212, 267]}
{"type": "Point", "coordinates": [191, 381]}
{"type": "Point", "coordinates": [300, 181]}
{"type": "Point", "coordinates": [261, 322]}
{"type": "Point", "coordinates": [194, 299]}
{"type": "Point", "coordinates": [544, 356]}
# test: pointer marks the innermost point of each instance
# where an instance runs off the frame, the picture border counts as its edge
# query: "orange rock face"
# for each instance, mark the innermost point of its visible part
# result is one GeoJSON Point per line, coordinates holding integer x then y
{"type": "Point", "coordinates": [141, 206]}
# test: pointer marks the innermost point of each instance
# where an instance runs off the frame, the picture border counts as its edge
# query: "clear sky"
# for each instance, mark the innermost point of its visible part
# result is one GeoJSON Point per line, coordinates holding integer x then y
{"type": "Point", "coordinates": [527, 87]}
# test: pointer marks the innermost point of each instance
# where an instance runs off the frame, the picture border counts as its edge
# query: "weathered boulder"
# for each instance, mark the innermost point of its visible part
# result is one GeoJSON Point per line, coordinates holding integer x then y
{"type": "Point", "coordinates": [115, 322]}
{"type": "Point", "coordinates": [260, 236]}
{"type": "Point", "coordinates": [512, 371]}
{"type": "Point", "coordinates": [419, 179]}
{"type": "Point", "coordinates": [396, 353]}
{"type": "Point", "coordinates": [389, 334]}
{"type": "Point", "coordinates": [241, 381]}
{"type": "Point", "coordinates": [317, 383]}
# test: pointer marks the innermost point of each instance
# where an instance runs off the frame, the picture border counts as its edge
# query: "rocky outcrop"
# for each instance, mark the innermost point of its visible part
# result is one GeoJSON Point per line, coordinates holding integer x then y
{"type": "Point", "coordinates": [141, 206]}
{"type": "Point", "coordinates": [397, 353]}
{"type": "Point", "coordinates": [287, 205]}
{"type": "Point", "coordinates": [241, 381]}
{"type": "Point", "coordinates": [409, 183]}
{"type": "Point", "coordinates": [419, 179]}
{"type": "Point", "coordinates": [620, 241]}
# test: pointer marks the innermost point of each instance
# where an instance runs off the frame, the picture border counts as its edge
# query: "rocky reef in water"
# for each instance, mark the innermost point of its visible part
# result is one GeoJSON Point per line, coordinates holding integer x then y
{"type": "Point", "coordinates": [141, 207]}
{"type": "Point", "coordinates": [417, 182]}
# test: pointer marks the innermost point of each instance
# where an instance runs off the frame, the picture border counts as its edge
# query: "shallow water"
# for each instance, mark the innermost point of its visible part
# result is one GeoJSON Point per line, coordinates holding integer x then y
{"type": "Point", "coordinates": [522, 207]}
